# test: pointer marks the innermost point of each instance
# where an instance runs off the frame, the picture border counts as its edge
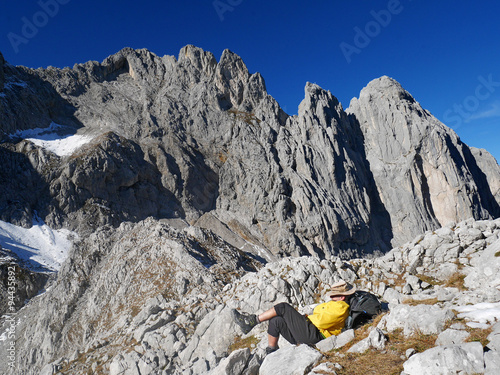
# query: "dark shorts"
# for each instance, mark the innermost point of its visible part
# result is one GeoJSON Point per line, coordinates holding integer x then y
{"type": "Point", "coordinates": [293, 326]}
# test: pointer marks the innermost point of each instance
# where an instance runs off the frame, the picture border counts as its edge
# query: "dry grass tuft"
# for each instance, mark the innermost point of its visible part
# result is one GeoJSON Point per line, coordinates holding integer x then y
{"type": "Point", "coordinates": [428, 279]}
{"type": "Point", "coordinates": [480, 335]}
{"type": "Point", "coordinates": [390, 361]}
{"type": "Point", "coordinates": [456, 281]}
{"type": "Point", "coordinates": [370, 362]}
{"type": "Point", "coordinates": [246, 117]}
{"type": "Point", "coordinates": [240, 343]}
{"type": "Point", "coordinates": [387, 362]}
{"type": "Point", "coordinates": [414, 302]}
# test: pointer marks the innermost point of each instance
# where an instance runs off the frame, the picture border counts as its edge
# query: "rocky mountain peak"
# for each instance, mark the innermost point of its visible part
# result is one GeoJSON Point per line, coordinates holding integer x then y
{"type": "Point", "coordinates": [231, 66]}
{"type": "Point", "coordinates": [200, 59]}
{"type": "Point", "coordinates": [236, 83]}
{"type": "Point", "coordinates": [320, 103]}
{"type": "Point", "coordinates": [417, 151]}
{"type": "Point", "coordinates": [388, 87]}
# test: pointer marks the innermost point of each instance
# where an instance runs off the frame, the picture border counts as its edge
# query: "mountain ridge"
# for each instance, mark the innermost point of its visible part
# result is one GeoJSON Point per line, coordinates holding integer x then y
{"type": "Point", "coordinates": [201, 127]}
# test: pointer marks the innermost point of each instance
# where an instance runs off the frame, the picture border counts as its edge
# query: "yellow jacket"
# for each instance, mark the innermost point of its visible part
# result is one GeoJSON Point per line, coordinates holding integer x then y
{"type": "Point", "coordinates": [329, 317]}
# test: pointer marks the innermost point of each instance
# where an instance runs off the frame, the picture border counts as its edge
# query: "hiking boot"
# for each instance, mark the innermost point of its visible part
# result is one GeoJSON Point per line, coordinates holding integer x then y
{"type": "Point", "coordinates": [271, 349]}
{"type": "Point", "coordinates": [245, 321]}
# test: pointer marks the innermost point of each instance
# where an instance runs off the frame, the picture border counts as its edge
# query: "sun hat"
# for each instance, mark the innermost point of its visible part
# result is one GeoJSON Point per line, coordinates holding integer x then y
{"type": "Point", "coordinates": [341, 288]}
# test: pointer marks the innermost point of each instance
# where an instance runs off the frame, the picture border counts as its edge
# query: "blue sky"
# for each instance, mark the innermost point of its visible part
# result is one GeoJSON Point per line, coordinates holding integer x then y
{"type": "Point", "coordinates": [445, 53]}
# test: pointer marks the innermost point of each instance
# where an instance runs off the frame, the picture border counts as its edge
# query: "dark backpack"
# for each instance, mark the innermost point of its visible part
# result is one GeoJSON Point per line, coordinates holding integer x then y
{"type": "Point", "coordinates": [363, 306]}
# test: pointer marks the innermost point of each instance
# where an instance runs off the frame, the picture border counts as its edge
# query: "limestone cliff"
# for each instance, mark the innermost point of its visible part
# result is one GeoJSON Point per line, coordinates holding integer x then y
{"type": "Point", "coordinates": [420, 163]}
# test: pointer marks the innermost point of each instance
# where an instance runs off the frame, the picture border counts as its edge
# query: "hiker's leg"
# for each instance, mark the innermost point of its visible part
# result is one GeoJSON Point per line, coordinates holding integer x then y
{"type": "Point", "coordinates": [277, 326]}
{"type": "Point", "coordinates": [293, 326]}
{"type": "Point", "coordinates": [272, 341]}
{"type": "Point", "coordinates": [266, 315]}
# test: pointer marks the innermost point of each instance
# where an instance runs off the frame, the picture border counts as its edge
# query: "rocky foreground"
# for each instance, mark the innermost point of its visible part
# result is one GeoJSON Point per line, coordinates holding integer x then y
{"type": "Point", "coordinates": [154, 298]}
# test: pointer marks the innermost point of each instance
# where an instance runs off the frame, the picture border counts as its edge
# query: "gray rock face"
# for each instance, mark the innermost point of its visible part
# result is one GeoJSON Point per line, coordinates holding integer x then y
{"type": "Point", "coordinates": [28, 101]}
{"type": "Point", "coordinates": [27, 282]}
{"type": "Point", "coordinates": [489, 166]}
{"type": "Point", "coordinates": [110, 180]}
{"type": "Point", "coordinates": [20, 197]}
{"type": "Point", "coordinates": [425, 175]}
{"type": "Point", "coordinates": [106, 291]}
{"type": "Point", "coordinates": [183, 137]}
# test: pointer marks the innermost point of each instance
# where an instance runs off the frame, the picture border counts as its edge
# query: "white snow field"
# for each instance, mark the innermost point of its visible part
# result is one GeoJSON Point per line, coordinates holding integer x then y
{"type": "Point", "coordinates": [48, 138]}
{"type": "Point", "coordinates": [39, 247]}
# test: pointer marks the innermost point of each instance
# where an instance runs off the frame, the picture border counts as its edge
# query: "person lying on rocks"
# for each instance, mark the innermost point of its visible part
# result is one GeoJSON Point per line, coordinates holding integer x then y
{"type": "Point", "coordinates": [327, 319]}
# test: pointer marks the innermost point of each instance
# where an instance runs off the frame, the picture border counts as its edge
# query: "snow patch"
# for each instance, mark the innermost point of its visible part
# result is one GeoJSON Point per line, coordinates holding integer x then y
{"type": "Point", "coordinates": [480, 315]}
{"type": "Point", "coordinates": [40, 247]}
{"type": "Point", "coordinates": [48, 138]}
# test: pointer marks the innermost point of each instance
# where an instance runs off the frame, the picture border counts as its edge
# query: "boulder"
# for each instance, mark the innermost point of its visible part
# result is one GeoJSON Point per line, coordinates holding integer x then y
{"type": "Point", "coordinates": [344, 338]}
{"type": "Point", "coordinates": [491, 363]}
{"type": "Point", "coordinates": [327, 344]}
{"type": "Point", "coordinates": [452, 336]}
{"type": "Point", "coordinates": [494, 338]}
{"type": "Point", "coordinates": [486, 272]}
{"type": "Point", "coordinates": [443, 360]}
{"type": "Point", "coordinates": [293, 360]}
{"type": "Point", "coordinates": [234, 364]}
{"type": "Point", "coordinates": [376, 339]}
{"type": "Point", "coordinates": [392, 296]}
{"type": "Point", "coordinates": [125, 363]}
{"type": "Point", "coordinates": [324, 368]}
{"type": "Point", "coordinates": [427, 319]}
